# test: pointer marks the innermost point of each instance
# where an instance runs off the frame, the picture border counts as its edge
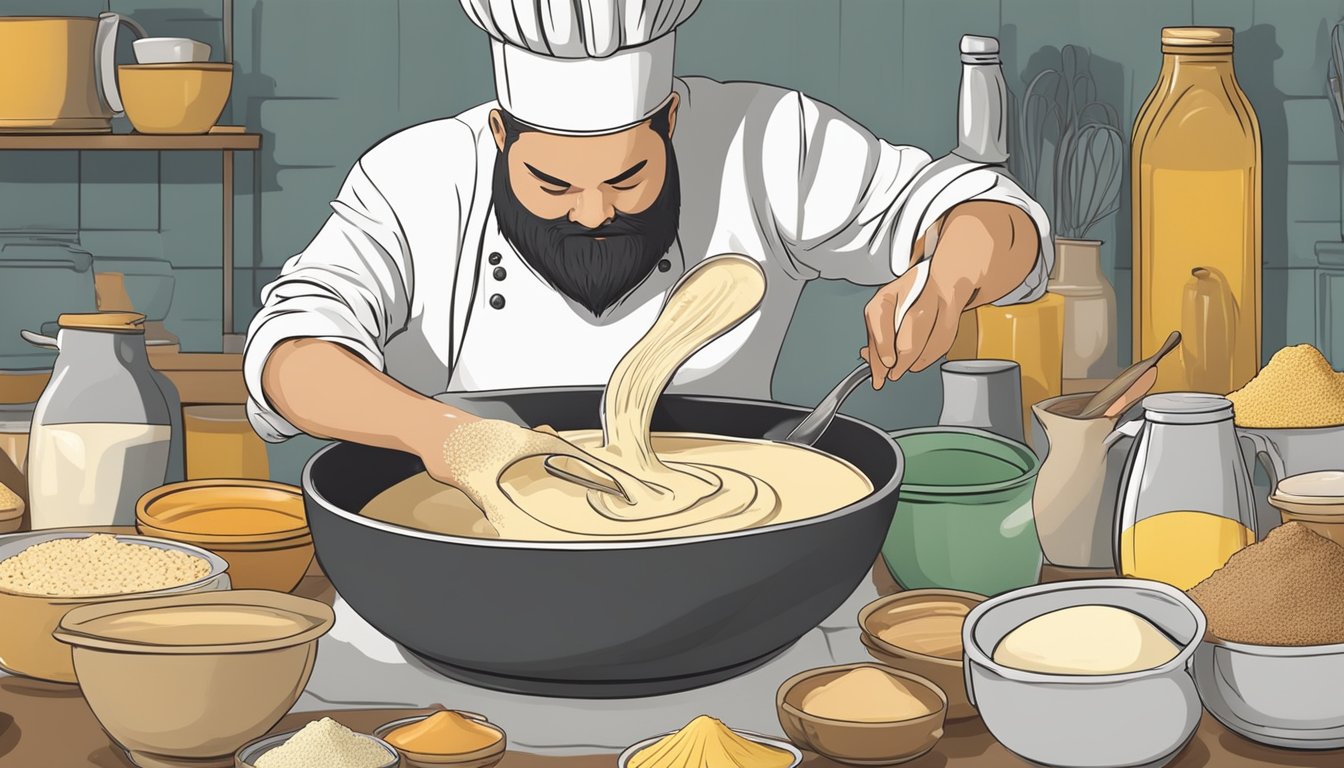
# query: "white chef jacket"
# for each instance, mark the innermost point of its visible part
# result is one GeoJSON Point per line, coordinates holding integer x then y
{"type": "Point", "coordinates": [412, 273]}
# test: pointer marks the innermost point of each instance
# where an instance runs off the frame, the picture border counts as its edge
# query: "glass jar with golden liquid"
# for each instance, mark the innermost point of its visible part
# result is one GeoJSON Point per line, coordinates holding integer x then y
{"type": "Point", "coordinates": [1185, 501]}
{"type": "Point", "coordinates": [1196, 175]}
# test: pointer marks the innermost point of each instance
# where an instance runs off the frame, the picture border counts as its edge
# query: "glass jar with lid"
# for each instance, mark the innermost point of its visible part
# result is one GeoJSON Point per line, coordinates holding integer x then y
{"type": "Point", "coordinates": [102, 430]}
{"type": "Point", "coordinates": [1185, 501]}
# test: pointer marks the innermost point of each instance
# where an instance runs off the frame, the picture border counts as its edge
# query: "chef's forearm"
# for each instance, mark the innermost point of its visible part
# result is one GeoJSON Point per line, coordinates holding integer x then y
{"type": "Point", "coordinates": [330, 392]}
{"type": "Point", "coordinates": [986, 250]}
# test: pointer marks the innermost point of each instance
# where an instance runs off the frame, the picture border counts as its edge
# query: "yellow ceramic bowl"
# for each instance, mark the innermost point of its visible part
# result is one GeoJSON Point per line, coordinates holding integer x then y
{"type": "Point", "coordinates": [259, 527]}
{"type": "Point", "coordinates": [174, 98]}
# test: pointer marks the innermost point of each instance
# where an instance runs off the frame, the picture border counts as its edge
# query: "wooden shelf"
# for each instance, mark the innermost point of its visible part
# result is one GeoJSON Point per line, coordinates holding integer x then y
{"type": "Point", "coordinates": [242, 142]}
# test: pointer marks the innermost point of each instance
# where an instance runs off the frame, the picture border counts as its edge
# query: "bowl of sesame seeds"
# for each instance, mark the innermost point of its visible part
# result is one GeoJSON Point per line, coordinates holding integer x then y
{"type": "Point", "coordinates": [45, 574]}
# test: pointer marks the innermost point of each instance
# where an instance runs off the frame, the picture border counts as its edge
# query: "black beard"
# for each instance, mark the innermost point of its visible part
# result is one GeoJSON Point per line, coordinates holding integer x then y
{"type": "Point", "coordinates": [595, 273]}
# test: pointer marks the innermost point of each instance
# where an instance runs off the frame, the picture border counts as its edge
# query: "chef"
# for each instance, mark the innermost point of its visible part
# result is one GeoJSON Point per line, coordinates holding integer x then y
{"type": "Point", "coordinates": [531, 241]}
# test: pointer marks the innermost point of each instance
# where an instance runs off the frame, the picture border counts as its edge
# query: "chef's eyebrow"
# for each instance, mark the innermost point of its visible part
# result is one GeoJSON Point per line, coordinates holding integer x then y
{"type": "Point", "coordinates": [546, 177]}
{"type": "Point", "coordinates": [636, 168]}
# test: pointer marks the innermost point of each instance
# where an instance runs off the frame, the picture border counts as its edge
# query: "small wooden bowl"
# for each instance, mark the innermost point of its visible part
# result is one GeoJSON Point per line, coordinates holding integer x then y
{"type": "Point", "coordinates": [481, 758]}
{"type": "Point", "coordinates": [860, 743]}
{"type": "Point", "coordinates": [948, 674]}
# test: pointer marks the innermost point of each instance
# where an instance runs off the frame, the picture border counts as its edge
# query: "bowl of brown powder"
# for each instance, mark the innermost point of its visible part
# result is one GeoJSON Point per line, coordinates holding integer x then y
{"type": "Point", "coordinates": [1272, 663]}
{"type": "Point", "coordinates": [45, 574]}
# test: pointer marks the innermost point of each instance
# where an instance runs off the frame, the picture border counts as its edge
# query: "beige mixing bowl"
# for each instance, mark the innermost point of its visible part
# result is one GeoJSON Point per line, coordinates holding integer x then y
{"type": "Point", "coordinates": [187, 680]}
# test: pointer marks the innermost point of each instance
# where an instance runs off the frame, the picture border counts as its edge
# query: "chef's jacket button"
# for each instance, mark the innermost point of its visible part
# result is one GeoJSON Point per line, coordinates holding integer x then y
{"type": "Point", "coordinates": [495, 258]}
{"type": "Point", "coordinates": [500, 273]}
{"type": "Point", "coordinates": [664, 265]}
{"type": "Point", "coordinates": [497, 301]}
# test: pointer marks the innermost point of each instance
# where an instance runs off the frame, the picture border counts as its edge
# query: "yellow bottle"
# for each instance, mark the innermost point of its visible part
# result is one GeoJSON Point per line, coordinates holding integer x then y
{"type": "Point", "coordinates": [1032, 335]}
{"type": "Point", "coordinates": [1181, 548]}
{"type": "Point", "coordinates": [1196, 180]}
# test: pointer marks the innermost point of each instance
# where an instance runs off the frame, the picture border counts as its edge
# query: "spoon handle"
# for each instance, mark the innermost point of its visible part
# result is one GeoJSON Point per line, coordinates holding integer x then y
{"type": "Point", "coordinates": [812, 427]}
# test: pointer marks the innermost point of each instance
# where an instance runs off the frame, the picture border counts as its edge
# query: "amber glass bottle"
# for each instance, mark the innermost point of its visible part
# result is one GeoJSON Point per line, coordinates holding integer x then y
{"type": "Point", "coordinates": [1196, 187]}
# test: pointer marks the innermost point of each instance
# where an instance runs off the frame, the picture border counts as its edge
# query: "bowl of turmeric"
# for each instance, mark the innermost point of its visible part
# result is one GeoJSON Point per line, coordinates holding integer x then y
{"type": "Point", "coordinates": [447, 737]}
{"type": "Point", "coordinates": [862, 714]}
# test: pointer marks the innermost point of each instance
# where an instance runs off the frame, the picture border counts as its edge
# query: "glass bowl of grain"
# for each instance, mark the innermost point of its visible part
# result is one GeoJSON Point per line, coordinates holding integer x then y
{"type": "Point", "coordinates": [1272, 664]}
{"type": "Point", "coordinates": [45, 574]}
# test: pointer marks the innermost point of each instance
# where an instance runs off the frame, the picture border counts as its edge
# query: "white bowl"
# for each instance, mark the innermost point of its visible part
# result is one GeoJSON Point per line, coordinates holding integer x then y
{"type": "Point", "coordinates": [1133, 719]}
{"type": "Point", "coordinates": [170, 50]}
{"type": "Point", "coordinates": [1280, 696]}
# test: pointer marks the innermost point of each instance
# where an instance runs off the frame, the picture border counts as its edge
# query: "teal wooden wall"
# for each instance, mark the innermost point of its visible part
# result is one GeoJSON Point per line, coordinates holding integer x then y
{"type": "Point", "coordinates": [324, 79]}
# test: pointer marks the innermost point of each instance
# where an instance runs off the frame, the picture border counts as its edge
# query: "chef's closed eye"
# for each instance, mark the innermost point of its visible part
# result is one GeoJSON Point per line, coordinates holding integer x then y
{"type": "Point", "coordinates": [550, 184]}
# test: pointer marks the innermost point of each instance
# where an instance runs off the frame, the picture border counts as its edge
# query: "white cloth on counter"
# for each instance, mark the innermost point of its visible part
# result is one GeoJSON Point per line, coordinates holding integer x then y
{"type": "Point", "coordinates": [357, 667]}
{"type": "Point", "coordinates": [402, 273]}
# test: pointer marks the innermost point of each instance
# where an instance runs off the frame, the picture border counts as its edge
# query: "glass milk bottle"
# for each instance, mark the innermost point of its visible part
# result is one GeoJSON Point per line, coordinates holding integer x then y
{"type": "Point", "coordinates": [102, 428]}
{"type": "Point", "coordinates": [1196, 178]}
{"type": "Point", "coordinates": [1185, 501]}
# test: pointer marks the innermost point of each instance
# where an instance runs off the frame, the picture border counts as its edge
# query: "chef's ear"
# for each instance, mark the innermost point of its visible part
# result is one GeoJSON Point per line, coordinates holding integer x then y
{"type": "Point", "coordinates": [672, 113]}
{"type": "Point", "coordinates": [497, 128]}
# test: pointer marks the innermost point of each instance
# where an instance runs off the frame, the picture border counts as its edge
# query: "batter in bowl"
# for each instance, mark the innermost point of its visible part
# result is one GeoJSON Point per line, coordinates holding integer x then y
{"type": "Point", "coordinates": [676, 484]}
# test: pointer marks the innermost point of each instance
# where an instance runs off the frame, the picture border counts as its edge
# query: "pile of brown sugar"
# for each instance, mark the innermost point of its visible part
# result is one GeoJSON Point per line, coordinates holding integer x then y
{"type": "Point", "coordinates": [1287, 590]}
{"type": "Point", "coordinates": [1298, 389]}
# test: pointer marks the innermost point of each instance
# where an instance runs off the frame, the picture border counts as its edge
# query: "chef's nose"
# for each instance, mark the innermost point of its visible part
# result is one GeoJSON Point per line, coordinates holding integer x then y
{"type": "Point", "coordinates": [591, 209]}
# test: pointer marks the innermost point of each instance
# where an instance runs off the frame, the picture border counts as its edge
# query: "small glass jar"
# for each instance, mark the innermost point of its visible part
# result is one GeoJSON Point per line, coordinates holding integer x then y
{"type": "Point", "coordinates": [1185, 502]}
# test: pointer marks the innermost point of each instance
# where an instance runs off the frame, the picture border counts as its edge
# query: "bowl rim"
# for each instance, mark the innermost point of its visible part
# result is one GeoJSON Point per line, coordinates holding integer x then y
{"type": "Point", "coordinates": [1273, 651]}
{"type": "Point", "coordinates": [144, 513]}
{"type": "Point", "coordinates": [500, 745]}
{"type": "Point", "coordinates": [249, 752]}
{"type": "Point", "coordinates": [293, 540]}
{"type": "Point", "coordinates": [893, 484]}
{"type": "Point", "coordinates": [1012, 484]}
{"type": "Point", "coordinates": [868, 611]}
{"type": "Point", "coordinates": [321, 614]}
{"type": "Point", "coordinates": [975, 656]}
{"type": "Point", "coordinates": [623, 760]}
{"type": "Point", "coordinates": [218, 565]}
{"type": "Point", "coordinates": [785, 688]}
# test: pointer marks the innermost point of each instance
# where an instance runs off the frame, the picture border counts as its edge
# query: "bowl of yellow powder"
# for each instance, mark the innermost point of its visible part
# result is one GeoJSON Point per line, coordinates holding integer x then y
{"type": "Point", "coordinates": [707, 741]}
{"type": "Point", "coordinates": [862, 714]}
{"type": "Point", "coordinates": [447, 737]}
{"type": "Point", "coordinates": [322, 743]}
{"type": "Point", "coordinates": [1086, 674]}
{"type": "Point", "coordinates": [919, 631]}
{"type": "Point", "coordinates": [45, 574]}
{"type": "Point", "coordinates": [1272, 664]}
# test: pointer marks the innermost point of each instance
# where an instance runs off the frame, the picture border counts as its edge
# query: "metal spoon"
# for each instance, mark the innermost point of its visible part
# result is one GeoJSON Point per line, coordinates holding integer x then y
{"type": "Point", "coordinates": [810, 429]}
{"type": "Point", "coordinates": [807, 432]}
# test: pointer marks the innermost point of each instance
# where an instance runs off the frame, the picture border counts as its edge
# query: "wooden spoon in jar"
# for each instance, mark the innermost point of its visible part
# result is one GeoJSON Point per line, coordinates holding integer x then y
{"type": "Point", "coordinates": [1103, 400]}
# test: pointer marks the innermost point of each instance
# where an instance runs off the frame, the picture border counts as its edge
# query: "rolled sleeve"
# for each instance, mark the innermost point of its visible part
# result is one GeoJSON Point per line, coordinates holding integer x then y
{"type": "Point", "coordinates": [848, 206]}
{"type": "Point", "coordinates": [349, 286]}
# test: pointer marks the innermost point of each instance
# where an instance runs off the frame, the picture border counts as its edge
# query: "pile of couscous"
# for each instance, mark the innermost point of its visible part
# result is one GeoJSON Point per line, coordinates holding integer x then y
{"type": "Point", "coordinates": [97, 565]}
{"type": "Point", "coordinates": [1298, 389]}
{"type": "Point", "coordinates": [326, 743]}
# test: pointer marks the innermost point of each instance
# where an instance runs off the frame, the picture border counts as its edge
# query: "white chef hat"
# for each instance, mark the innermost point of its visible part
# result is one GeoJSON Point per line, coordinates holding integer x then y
{"type": "Point", "coordinates": [581, 66]}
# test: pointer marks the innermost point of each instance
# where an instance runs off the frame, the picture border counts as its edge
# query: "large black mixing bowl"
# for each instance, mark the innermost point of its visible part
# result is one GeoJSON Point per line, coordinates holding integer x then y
{"type": "Point", "coordinates": [598, 620]}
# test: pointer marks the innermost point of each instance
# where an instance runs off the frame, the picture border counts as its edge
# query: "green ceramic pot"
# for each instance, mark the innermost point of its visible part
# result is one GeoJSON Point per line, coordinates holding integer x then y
{"type": "Point", "coordinates": [963, 520]}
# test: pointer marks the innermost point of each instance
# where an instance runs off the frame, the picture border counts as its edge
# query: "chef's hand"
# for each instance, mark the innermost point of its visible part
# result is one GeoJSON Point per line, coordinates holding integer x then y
{"type": "Point", "coordinates": [985, 250]}
{"type": "Point", "coordinates": [472, 455]}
